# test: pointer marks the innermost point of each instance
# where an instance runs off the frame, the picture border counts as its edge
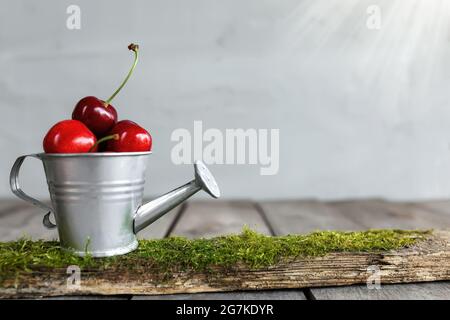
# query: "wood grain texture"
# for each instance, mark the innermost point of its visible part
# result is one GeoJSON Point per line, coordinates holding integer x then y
{"type": "Point", "coordinates": [246, 295]}
{"type": "Point", "coordinates": [8, 206]}
{"type": "Point", "coordinates": [25, 221]}
{"type": "Point", "coordinates": [300, 216]}
{"type": "Point", "coordinates": [416, 291]}
{"type": "Point", "coordinates": [206, 219]}
{"type": "Point", "coordinates": [213, 218]}
{"type": "Point", "coordinates": [20, 219]}
{"type": "Point", "coordinates": [158, 229]}
{"type": "Point", "coordinates": [89, 297]}
{"type": "Point", "coordinates": [428, 260]}
{"type": "Point", "coordinates": [303, 216]}
{"type": "Point", "coordinates": [440, 207]}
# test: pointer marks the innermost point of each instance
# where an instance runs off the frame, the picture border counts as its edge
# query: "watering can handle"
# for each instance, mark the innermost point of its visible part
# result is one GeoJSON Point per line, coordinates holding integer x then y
{"type": "Point", "coordinates": [15, 188]}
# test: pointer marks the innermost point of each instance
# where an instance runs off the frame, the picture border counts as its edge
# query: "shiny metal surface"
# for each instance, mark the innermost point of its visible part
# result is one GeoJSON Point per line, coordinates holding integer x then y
{"type": "Point", "coordinates": [97, 199]}
{"type": "Point", "coordinates": [153, 210]}
{"type": "Point", "coordinates": [205, 179]}
{"type": "Point", "coordinates": [94, 198]}
{"type": "Point", "coordinates": [15, 188]}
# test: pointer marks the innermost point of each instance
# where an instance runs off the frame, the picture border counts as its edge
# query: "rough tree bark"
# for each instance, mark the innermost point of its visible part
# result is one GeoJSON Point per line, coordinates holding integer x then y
{"type": "Point", "coordinates": [428, 260]}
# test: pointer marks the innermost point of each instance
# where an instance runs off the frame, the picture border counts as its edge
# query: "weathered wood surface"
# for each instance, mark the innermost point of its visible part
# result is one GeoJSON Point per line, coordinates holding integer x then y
{"type": "Point", "coordinates": [214, 218]}
{"type": "Point", "coordinates": [428, 260]}
{"type": "Point", "coordinates": [239, 295]}
{"type": "Point", "coordinates": [415, 291]}
{"type": "Point", "coordinates": [206, 219]}
{"type": "Point", "coordinates": [306, 216]}
{"type": "Point", "coordinates": [275, 217]}
{"type": "Point", "coordinates": [23, 220]}
{"type": "Point", "coordinates": [19, 219]}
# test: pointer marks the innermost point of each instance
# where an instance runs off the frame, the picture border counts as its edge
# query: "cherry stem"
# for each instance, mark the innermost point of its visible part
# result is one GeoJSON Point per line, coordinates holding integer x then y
{"type": "Point", "coordinates": [135, 48]}
{"type": "Point", "coordinates": [106, 138]}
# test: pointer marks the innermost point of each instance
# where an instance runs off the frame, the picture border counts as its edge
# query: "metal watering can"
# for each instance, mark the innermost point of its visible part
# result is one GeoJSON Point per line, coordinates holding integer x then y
{"type": "Point", "coordinates": [97, 198]}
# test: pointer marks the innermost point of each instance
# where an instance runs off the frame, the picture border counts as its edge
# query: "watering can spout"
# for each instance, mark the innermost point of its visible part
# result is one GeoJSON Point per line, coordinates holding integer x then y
{"type": "Point", "coordinates": [155, 209]}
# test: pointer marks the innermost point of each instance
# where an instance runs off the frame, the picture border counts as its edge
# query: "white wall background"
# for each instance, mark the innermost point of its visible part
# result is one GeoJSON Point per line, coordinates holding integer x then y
{"type": "Point", "coordinates": [362, 113]}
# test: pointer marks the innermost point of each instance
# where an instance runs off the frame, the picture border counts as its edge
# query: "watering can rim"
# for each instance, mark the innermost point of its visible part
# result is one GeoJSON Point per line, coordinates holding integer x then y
{"type": "Point", "coordinates": [91, 154]}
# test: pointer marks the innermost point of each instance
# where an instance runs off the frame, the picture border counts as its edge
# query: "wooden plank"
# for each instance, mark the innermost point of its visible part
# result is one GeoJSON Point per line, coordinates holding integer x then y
{"type": "Point", "coordinates": [441, 207]}
{"type": "Point", "coordinates": [422, 291]}
{"type": "Point", "coordinates": [159, 228]}
{"type": "Point", "coordinates": [213, 218]}
{"type": "Point", "coordinates": [379, 214]}
{"type": "Point", "coordinates": [208, 219]}
{"type": "Point", "coordinates": [9, 205]}
{"type": "Point", "coordinates": [25, 221]}
{"type": "Point", "coordinates": [19, 219]}
{"type": "Point", "coordinates": [89, 297]}
{"type": "Point", "coordinates": [309, 215]}
{"type": "Point", "coordinates": [156, 230]}
{"type": "Point", "coordinates": [427, 260]}
{"type": "Point", "coordinates": [304, 216]}
{"type": "Point", "coordinates": [290, 217]}
{"type": "Point", "coordinates": [245, 295]}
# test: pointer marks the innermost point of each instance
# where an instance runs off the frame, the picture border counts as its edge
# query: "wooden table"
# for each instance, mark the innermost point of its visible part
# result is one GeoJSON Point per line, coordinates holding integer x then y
{"type": "Point", "coordinates": [212, 218]}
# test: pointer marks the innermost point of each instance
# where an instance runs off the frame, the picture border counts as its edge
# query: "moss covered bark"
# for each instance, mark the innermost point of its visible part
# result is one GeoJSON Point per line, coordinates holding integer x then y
{"type": "Point", "coordinates": [177, 254]}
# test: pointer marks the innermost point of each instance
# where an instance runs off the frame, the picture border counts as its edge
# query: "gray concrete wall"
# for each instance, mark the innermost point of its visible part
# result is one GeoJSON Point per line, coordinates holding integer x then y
{"type": "Point", "coordinates": [361, 112]}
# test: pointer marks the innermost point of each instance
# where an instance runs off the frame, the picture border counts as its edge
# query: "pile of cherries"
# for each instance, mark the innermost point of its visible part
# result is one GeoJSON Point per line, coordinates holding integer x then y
{"type": "Point", "coordinates": [94, 127]}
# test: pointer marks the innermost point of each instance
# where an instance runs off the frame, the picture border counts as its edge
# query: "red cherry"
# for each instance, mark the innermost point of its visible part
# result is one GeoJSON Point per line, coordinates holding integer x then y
{"type": "Point", "coordinates": [128, 136]}
{"type": "Point", "coordinates": [98, 116]}
{"type": "Point", "coordinates": [69, 136]}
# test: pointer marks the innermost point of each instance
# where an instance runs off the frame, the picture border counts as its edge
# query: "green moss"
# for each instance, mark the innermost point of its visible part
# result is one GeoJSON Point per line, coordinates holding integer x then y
{"type": "Point", "coordinates": [176, 253]}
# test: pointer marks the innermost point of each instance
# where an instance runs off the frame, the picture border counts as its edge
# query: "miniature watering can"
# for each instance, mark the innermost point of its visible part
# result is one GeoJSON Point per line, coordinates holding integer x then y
{"type": "Point", "coordinates": [97, 198]}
